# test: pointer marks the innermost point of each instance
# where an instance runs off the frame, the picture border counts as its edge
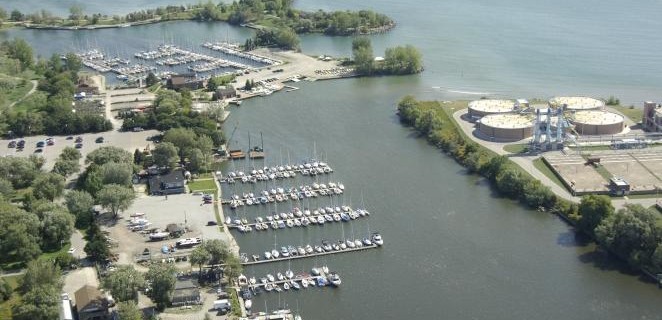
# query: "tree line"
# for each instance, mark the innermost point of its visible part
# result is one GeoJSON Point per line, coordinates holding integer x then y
{"type": "Point", "coordinates": [397, 61]}
{"type": "Point", "coordinates": [633, 233]}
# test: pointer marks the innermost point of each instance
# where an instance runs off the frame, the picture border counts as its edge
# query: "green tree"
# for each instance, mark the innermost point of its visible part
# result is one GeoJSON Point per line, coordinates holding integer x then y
{"type": "Point", "coordinates": [509, 182]}
{"type": "Point", "coordinates": [233, 266]}
{"type": "Point", "coordinates": [19, 171]}
{"type": "Point", "coordinates": [151, 79]}
{"type": "Point", "coordinates": [66, 168]}
{"type": "Point", "coordinates": [41, 303]}
{"type": "Point", "coordinates": [19, 234]}
{"type": "Point", "coordinates": [69, 153]}
{"type": "Point", "coordinates": [5, 290]}
{"type": "Point", "coordinates": [138, 157]}
{"type": "Point", "coordinates": [48, 186]}
{"type": "Point", "coordinates": [199, 162]}
{"type": "Point", "coordinates": [80, 204]}
{"type": "Point", "coordinates": [16, 15]}
{"type": "Point", "coordinates": [75, 13]}
{"type": "Point", "coordinates": [6, 188]}
{"type": "Point", "coordinates": [403, 60]}
{"type": "Point", "coordinates": [199, 256]}
{"type": "Point", "coordinates": [116, 173]}
{"type": "Point", "coordinates": [217, 249]}
{"type": "Point", "coordinates": [129, 311]}
{"type": "Point", "coordinates": [19, 49]}
{"type": "Point", "coordinates": [182, 138]}
{"type": "Point", "coordinates": [124, 283]}
{"type": "Point", "coordinates": [631, 232]}
{"type": "Point", "coordinates": [116, 198]}
{"type": "Point", "coordinates": [56, 228]}
{"type": "Point", "coordinates": [165, 155]}
{"type": "Point", "coordinates": [73, 63]}
{"type": "Point", "coordinates": [40, 273]}
{"type": "Point", "coordinates": [162, 280]}
{"type": "Point", "coordinates": [109, 154]}
{"type": "Point", "coordinates": [363, 56]}
{"type": "Point", "coordinates": [593, 209]}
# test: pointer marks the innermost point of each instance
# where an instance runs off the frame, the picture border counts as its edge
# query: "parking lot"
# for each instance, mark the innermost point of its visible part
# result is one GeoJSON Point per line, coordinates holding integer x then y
{"type": "Point", "coordinates": [184, 209]}
{"type": "Point", "coordinates": [125, 140]}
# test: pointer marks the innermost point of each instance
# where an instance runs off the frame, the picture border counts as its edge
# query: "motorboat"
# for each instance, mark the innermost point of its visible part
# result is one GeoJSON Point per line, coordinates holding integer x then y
{"type": "Point", "coordinates": [275, 254]}
{"type": "Point", "coordinates": [305, 222]}
{"type": "Point", "coordinates": [242, 280]}
{"type": "Point", "coordinates": [284, 252]}
{"type": "Point", "coordinates": [271, 278]}
{"type": "Point", "coordinates": [268, 287]}
{"type": "Point", "coordinates": [325, 269]}
{"type": "Point", "coordinates": [336, 217]}
{"type": "Point", "coordinates": [290, 223]}
{"type": "Point", "coordinates": [315, 271]}
{"type": "Point", "coordinates": [342, 245]}
{"type": "Point", "coordinates": [297, 222]}
{"type": "Point", "coordinates": [358, 243]}
{"type": "Point", "coordinates": [377, 239]}
{"type": "Point", "coordinates": [328, 218]}
{"type": "Point", "coordinates": [277, 288]}
{"type": "Point", "coordinates": [281, 224]}
{"type": "Point", "coordinates": [304, 283]}
{"type": "Point", "coordinates": [367, 241]}
{"type": "Point", "coordinates": [289, 274]}
{"type": "Point", "coordinates": [334, 279]}
{"type": "Point", "coordinates": [321, 282]}
{"type": "Point", "coordinates": [319, 249]}
{"type": "Point", "coordinates": [280, 276]}
{"type": "Point", "coordinates": [309, 249]}
{"type": "Point", "coordinates": [248, 304]}
{"type": "Point", "coordinates": [295, 285]}
{"type": "Point", "coordinates": [301, 251]}
{"type": "Point", "coordinates": [326, 246]}
{"type": "Point", "coordinates": [344, 217]}
{"type": "Point", "coordinates": [350, 244]}
{"type": "Point", "coordinates": [286, 286]}
{"type": "Point", "coordinates": [293, 250]}
{"type": "Point", "coordinates": [267, 255]}
{"type": "Point", "coordinates": [252, 280]}
{"type": "Point", "coordinates": [335, 246]}
{"type": "Point", "coordinates": [264, 280]}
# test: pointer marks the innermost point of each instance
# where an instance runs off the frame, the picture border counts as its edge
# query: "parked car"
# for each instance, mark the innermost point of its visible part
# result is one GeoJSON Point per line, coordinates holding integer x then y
{"type": "Point", "coordinates": [50, 142]}
{"type": "Point", "coordinates": [79, 139]}
{"type": "Point", "coordinates": [99, 140]}
{"type": "Point", "coordinates": [38, 150]}
{"type": "Point", "coordinates": [70, 138]}
{"type": "Point", "coordinates": [211, 223]}
{"type": "Point", "coordinates": [41, 144]}
{"type": "Point", "coordinates": [79, 145]}
{"type": "Point", "coordinates": [12, 144]}
{"type": "Point", "coordinates": [21, 143]}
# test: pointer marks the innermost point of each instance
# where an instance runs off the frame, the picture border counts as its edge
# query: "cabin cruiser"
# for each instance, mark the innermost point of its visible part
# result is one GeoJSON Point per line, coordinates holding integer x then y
{"type": "Point", "coordinates": [334, 279]}
{"type": "Point", "coordinates": [275, 254]}
{"type": "Point", "coordinates": [242, 280]}
{"type": "Point", "coordinates": [284, 252]}
{"type": "Point", "coordinates": [267, 255]}
{"type": "Point", "coordinates": [367, 241]}
{"type": "Point", "coordinates": [350, 244]}
{"type": "Point", "coordinates": [289, 274]}
{"type": "Point", "coordinates": [304, 283]}
{"type": "Point", "coordinates": [271, 278]}
{"type": "Point", "coordinates": [309, 249]}
{"type": "Point", "coordinates": [280, 276]}
{"type": "Point", "coordinates": [295, 285]}
{"type": "Point", "coordinates": [377, 239]}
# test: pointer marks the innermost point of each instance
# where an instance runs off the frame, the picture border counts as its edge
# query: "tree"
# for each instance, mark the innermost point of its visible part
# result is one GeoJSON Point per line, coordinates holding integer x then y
{"type": "Point", "coordinates": [80, 204]}
{"type": "Point", "coordinates": [363, 56]}
{"type": "Point", "coordinates": [151, 79]}
{"type": "Point", "coordinates": [19, 234]}
{"type": "Point", "coordinates": [56, 228]}
{"type": "Point", "coordinates": [39, 304]}
{"type": "Point", "coordinates": [65, 260]}
{"type": "Point", "coordinates": [6, 188]}
{"type": "Point", "coordinates": [5, 290]}
{"type": "Point", "coordinates": [199, 256]}
{"type": "Point", "coordinates": [233, 266]}
{"type": "Point", "coordinates": [593, 209]}
{"type": "Point", "coordinates": [162, 280]}
{"type": "Point", "coordinates": [19, 171]}
{"type": "Point", "coordinates": [40, 273]}
{"type": "Point", "coordinates": [19, 49]}
{"type": "Point", "coordinates": [198, 162]}
{"type": "Point", "coordinates": [403, 60]}
{"type": "Point", "coordinates": [631, 233]}
{"type": "Point", "coordinates": [116, 198]}
{"type": "Point", "coordinates": [69, 153]}
{"type": "Point", "coordinates": [129, 311]}
{"type": "Point", "coordinates": [138, 157]}
{"type": "Point", "coordinates": [109, 154]}
{"type": "Point", "coordinates": [217, 249]}
{"type": "Point", "coordinates": [73, 64]}
{"type": "Point", "coordinates": [3, 14]}
{"type": "Point", "coordinates": [75, 13]}
{"type": "Point", "coordinates": [66, 167]}
{"type": "Point", "coordinates": [286, 38]}
{"type": "Point", "coordinates": [16, 15]}
{"type": "Point", "coordinates": [182, 138]}
{"type": "Point", "coordinates": [165, 155]}
{"type": "Point", "coordinates": [124, 283]}
{"type": "Point", "coordinates": [48, 186]}
{"type": "Point", "coordinates": [116, 173]}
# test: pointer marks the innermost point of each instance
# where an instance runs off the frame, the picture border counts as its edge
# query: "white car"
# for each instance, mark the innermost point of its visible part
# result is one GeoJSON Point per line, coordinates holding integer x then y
{"type": "Point", "coordinates": [71, 250]}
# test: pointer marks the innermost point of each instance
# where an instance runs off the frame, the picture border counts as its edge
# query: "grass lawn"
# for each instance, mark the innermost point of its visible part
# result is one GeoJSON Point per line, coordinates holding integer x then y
{"type": "Point", "coordinates": [20, 89]}
{"type": "Point", "coordinates": [516, 148]}
{"type": "Point", "coordinates": [5, 307]}
{"type": "Point", "coordinates": [51, 255]}
{"type": "Point", "coordinates": [206, 175]}
{"type": "Point", "coordinates": [603, 172]}
{"type": "Point", "coordinates": [542, 167]}
{"type": "Point", "coordinates": [635, 114]}
{"type": "Point", "coordinates": [202, 185]}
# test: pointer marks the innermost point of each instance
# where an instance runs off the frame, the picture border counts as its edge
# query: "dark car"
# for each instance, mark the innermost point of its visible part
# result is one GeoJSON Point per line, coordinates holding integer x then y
{"type": "Point", "coordinates": [38, 150]}
{"type": "Point", "coordinates": [79, 145]}
{"type": "Point", "coordinates": [19, 149]}
{"type": "Point", "coordinates": [70, 138]}
{"type": "Point", "coordinates": [41, 144]}
{"type": "Point", "coordinates": [99, 140]}
{"type": "Point", "coordinates": [211, 223]}
{"type": "Point", "coordinates": [21, 143]}
{"type": "Point", "coordinates": [79, 139]}
{"type": "Point", "coordinates": [12, 144]}
{"type": "Point", "coordinates": [50, 142]}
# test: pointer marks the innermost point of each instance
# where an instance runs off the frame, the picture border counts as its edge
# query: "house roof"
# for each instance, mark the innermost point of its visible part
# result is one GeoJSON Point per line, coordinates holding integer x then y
{"type": "Point", "coordinates": [89, 299]}
{"type": "Point", "coordinates": [173, 179]}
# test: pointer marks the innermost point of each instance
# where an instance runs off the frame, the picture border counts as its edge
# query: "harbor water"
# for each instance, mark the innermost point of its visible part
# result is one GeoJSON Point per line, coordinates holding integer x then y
{"type": "Point", "coordinates": [453, 249]}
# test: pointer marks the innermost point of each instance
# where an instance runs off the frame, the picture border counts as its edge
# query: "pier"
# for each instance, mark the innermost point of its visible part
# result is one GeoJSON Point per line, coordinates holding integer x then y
{"type": "Point", "coordinates": [297, 219]}
{"type": "Point", "coordinates": [280, 172]}
{"type": "Point", "coordinates": [311, 255]}
{"type": "Point", "coordinates": [282, 195]}
{"type": "Point", "coordinates": [234, 50]}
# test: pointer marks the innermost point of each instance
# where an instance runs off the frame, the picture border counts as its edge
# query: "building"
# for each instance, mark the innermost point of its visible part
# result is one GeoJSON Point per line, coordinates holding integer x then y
{"type": "Point", "coordinates": [187, 80]}
{"type": "Point", "coordinates": [91, 304]}
{"type": "Point", "coordinates": [86, 85]}
{"type": "Point", "coordinates": [505, 127]}
{"type": "Point", "coordinates": [186, 293]}
{"type": "Point", "coordinates": [226, 92]}
{"type": "Point", "coordinates": [65, 312]}
{"type": "Point", "coordinates": [652, 120]}
{"type": "Point", "coordinates": [169, 183]}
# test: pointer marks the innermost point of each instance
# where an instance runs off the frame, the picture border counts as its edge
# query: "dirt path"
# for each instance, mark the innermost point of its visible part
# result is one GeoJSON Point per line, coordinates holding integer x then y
{"type": "Point", "coordinates": [34, 88]}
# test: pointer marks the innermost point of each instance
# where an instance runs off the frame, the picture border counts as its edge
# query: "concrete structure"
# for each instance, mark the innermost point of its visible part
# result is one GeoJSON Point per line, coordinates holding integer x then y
{"type": "Point", "coordinates": [576, 103]}
{"type": "Point", "coordinates": [91, 304]}
{"type": "Point", "coordinates": [597, 122]}
{"type": "Point", "coordinates": [652, 120]}
{"type": "Point", "coordinates": [481, 108]}
{"type": "Point", "coordinates": [506, 127]}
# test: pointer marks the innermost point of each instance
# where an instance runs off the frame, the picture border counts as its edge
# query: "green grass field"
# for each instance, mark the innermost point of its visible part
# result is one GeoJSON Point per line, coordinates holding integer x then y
{"type": "Point", "coordinates": [202, 185]}
{"type": "Point", "coordinates": [635, 114]}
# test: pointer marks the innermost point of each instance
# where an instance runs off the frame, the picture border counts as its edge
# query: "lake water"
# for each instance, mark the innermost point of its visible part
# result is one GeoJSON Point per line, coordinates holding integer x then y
{"type": "Point", "coordinates": [453, 250]}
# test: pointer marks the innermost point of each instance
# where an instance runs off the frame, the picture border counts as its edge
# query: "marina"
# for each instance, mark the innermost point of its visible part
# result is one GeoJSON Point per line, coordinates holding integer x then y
{"type": "Point", "coordinates": [235, 50]}
{"type": "Point", "coordinates": [297, 218]}
{"type": "Point", "coordinates": [281, 194]}
{"type": "Point", "coordinates": [325, 248]}
{"type": "Point", "coordinates": [288, 280]}
{"type": "Point", "coordinates": [312, 168]}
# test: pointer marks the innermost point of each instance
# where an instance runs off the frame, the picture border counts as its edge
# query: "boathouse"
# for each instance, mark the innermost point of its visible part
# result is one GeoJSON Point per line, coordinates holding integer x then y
{"type": "Point", "coordinates": [169, 183]}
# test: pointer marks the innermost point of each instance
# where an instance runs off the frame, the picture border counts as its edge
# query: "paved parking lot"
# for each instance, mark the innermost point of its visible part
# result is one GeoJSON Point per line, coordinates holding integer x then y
{"type": "Point", "coordinates": [184, 209]}
{"type": "Point", "coordinates": [125, 140]}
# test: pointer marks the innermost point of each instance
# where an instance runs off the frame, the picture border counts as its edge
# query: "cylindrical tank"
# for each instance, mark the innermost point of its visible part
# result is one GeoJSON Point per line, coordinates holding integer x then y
{"type": "Point", "coordinates": [597, 122]}
{"type": "Point", "coordinates": [506, 127]}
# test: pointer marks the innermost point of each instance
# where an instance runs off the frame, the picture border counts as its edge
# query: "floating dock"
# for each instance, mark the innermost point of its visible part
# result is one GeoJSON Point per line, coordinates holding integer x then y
{"type": "Point", "coordinates": [280, 172]}
{"type": "Point", "coordinates": [282, 195]}
{"type": "Point", "coordinates": [310, 255]}
{"type": "Point", "coordinates": [297, 219]}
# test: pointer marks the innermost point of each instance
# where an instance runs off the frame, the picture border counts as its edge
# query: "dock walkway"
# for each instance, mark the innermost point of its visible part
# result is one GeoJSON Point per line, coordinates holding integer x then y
{"type": "Point", "coordinates": [311, 255]}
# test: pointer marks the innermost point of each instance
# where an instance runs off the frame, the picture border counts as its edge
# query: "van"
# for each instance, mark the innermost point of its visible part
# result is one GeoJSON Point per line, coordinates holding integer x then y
{"type": "Point", "coordinates": [222, 305]}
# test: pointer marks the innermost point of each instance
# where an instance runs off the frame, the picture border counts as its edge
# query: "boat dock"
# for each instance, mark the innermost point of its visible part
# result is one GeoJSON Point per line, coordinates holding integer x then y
{"type": "Point", "coordinates": [315, 254]}
{"type": "Point", "coordinates": [235, 50]}
{"type": "Point", "coordinates": [297, 218]}
{"type": "Point", "coordinates": [319, 277]}
{"type": "Point", "coordinates": [282, 195]}
{"type": "Point", "coordinates": [280, 172]}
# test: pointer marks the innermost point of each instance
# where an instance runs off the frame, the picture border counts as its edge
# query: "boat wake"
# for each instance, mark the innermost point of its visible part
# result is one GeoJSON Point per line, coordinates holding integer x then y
{"type": "Point", "coordinates": [475, 93]}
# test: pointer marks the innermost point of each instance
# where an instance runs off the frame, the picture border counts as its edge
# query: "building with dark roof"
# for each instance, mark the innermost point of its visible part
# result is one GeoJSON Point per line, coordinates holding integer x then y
{"type": "Point", "coordinates": [91, 304]}
{"type": "Point", "coordinates": [169, 183]}
{"type": "Point", "coordinates": [187, 80]}
{"type": "Point", "coordinates": [226, 92]}
{"type": "Point", "coordinates": [186, 293]}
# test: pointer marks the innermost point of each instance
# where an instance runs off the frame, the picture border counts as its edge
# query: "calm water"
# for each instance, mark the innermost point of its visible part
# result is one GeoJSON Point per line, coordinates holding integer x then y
{"type": "Point", "coordinates": [453, 250]}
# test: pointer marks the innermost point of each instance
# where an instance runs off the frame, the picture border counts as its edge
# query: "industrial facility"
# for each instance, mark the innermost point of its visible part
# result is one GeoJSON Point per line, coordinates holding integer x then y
{"type": "Point", "coordinates": [481, 108]}
{"type": "Point", "coordinates": [576, 103]}
{"type": "Point", "coordinates": [597, 122]}
{"type": "Point", "coordinates": [652, 120]}
{"type": "Point", "coordinates": [506, 127]}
